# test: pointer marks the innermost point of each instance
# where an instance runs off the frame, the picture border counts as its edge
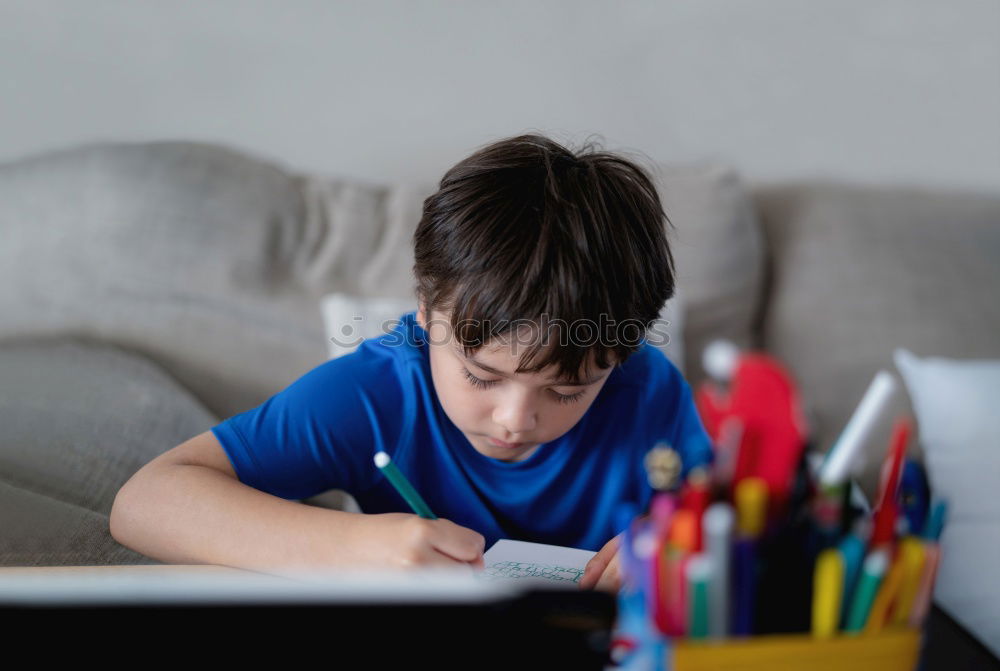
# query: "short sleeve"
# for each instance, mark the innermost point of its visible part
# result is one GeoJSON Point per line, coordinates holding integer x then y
{"type": "Point", "coordinates": [320, 432]}
{"type": "Point", "coordinates": [681, 426]}
{"type": "Point", "coordinates": [690, 438]}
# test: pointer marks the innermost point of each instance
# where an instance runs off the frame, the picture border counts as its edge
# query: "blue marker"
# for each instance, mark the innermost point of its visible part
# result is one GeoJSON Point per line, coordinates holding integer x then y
{"type": "Point", "coordinates": [852, 548]}
{"type": "Point", "coordinates": [935, 523]}
{"type": "Point", "coordinates": [751, 515]}
{"type": "Point", "coordinates": [914, 495]}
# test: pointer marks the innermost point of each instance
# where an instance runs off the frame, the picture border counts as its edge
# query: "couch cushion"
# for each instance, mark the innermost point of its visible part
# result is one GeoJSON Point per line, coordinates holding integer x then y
{"type": "Point", "coordinates": [718, 250]}
{"type": "Point", "coordinates": [77, 421]}
{"type": "Point", "coordinates": [39, 530]}
{"type": "Point", "coordinates": [857, 272]}
{"type": "Point", "coordinates": [212, 263]}
{"type": "Point", "coordinates": [208, 261]}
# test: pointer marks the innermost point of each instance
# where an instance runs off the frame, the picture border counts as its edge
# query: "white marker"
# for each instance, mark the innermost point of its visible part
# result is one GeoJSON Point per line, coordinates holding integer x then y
{"type": "Point", "coordinates": [842, 456]}
{"type": "Point", "coordinates": [717, 528]}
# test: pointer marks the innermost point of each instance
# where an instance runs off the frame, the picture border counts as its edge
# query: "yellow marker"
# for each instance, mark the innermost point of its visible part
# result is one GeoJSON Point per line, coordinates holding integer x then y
{"type": "Point", "coordinates": [911, 555]}
{"type": "Point", "coordinates": [751, 507]}
{"type": "Point", "coordinates": [886, 596]}
{"type": "Point", "coordinates": [828, 587]}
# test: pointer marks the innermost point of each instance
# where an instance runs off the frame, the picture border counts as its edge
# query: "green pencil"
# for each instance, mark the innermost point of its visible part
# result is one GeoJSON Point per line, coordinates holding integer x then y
{"type": "Point", "coordinates": [403, 486]}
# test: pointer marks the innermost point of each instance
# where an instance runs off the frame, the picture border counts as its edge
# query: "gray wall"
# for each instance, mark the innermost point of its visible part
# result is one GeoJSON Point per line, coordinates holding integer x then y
{"type": "Point", "coordinates": [864, 90]}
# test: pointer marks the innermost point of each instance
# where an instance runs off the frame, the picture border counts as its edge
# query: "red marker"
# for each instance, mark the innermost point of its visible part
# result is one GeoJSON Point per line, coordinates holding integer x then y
{"type": "Point", "coordinates": [884, 527]}
{"type": "Point", "coordinates": [696, 497]}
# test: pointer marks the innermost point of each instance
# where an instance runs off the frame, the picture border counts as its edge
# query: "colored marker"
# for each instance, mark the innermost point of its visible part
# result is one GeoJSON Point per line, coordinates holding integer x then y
{"type": "Point", "coordinates": [887, 510]}
{"type": "Point", "coordinates": [935, 523]}
{"type": "Point", "coordinates": [717, 525]}
{"type": "Point", "coordinates": [828, 589]}
{"type": "Point", "coordinates": [836, 468]}
{"type": "Point", "coordinates": [911, 555]}
{"type": "Point", "coordinates": [644, 544]}
{"type": "Point", "coordinates": [662, 510]}
{"type": "Point", "coordinates": [751, 509]}
{"type": "Point", "coordinates": [885, 597]}
{"type": "Point", "coordinates": [872, 573]}
{"type": "Point", "coordinates": [683, 532]}
{"type": "Point", "coordinates": [852, 552]}
{"type": "Point", "coordinates": [698, 572]}
{"type": "Point", "coordinates": [696, 496]}
{"type": "Point", "coordinates": [403, 486]}
{"type": "Point", "coordinates": [841, 458]}
{"type": "Point", "coordinates": [922, 601]}
{"type": "Point", "coordinates": [633, 619]}
{"type": "Point", "coordinates": [914, 495]}
{"type": "Point", "coordinates": [624, 516]}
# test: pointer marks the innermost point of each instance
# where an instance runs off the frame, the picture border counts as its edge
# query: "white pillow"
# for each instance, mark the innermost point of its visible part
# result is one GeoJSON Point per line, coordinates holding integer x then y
{"type": "Point", "coordinates": [955, 404]}
{"type": "Point", "coordinates": [348, 320]}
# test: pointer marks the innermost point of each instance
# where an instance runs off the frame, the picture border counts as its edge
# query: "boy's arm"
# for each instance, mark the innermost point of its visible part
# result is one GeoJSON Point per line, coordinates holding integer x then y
{"type": "Point", "coordinates": [188, 506]}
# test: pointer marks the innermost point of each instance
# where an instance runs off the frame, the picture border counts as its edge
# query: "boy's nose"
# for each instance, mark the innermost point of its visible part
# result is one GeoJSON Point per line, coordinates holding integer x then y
{"type": "Point", "coordinates": [516, 414]}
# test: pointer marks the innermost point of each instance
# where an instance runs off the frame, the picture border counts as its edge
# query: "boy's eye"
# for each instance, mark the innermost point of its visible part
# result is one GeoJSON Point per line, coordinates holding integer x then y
{"type": "Point", "coordinates": [479, 383]}
{"type": "Point", "coordinates": [567, 398]}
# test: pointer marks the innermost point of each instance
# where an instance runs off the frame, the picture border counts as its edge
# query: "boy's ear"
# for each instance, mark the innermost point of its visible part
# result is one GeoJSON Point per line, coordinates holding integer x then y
{"type": "Point", "coordinates": [421, 315]}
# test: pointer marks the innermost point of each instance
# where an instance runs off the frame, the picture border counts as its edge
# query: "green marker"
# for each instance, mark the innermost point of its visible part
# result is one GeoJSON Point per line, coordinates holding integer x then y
{"type": "Point", "coordinates": [872, 572]}
{"type": "Point", "coordinates": [698, 572]}
{"type": "Point", "coordinates": [403, 486]}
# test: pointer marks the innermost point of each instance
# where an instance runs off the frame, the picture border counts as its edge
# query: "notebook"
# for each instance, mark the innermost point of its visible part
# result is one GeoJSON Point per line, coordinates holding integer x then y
{"type": "Point", "coordinates": [549, 565]}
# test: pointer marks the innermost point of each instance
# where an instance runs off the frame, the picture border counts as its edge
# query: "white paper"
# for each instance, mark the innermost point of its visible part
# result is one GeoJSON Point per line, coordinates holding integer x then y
{"type": "Point", "coordinates": [551, 565]}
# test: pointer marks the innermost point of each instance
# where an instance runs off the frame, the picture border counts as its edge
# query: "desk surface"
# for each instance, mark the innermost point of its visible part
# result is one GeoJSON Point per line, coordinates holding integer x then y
{"type": "Point", "coordinates": [947, 644]}
{"type": "Point", "coordinates": [228, 616]}
{"type": "Point", "coordinates": [132, 569]}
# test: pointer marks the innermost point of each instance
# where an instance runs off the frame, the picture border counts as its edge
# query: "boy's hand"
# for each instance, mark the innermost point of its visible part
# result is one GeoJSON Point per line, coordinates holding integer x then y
{"type": "Point", "coordinates": [403, 540]}
{"type": "Point", "coordinates": [602, 571]}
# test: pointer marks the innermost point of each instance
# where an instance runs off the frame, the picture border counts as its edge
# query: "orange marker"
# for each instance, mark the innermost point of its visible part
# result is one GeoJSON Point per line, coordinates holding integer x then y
{"type": "Point", "coordinates": [886, 596]}
{"type": "Point", "coordinates": [682, 538]}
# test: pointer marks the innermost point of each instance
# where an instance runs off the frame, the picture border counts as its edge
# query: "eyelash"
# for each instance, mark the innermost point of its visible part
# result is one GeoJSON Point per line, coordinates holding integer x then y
{"type": "Point", "coordinates": [479, 383]}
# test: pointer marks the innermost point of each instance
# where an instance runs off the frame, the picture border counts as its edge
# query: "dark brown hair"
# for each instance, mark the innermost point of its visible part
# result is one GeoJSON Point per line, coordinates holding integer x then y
{"type": "Point", "coordinates": [526, 230]}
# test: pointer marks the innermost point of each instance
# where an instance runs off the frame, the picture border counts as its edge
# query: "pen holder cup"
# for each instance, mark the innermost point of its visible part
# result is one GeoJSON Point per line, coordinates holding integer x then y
{"type": "Point", "coordinates": [891, 650]}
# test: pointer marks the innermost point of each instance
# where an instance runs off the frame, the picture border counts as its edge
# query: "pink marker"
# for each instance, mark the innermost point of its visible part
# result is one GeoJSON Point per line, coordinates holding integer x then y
{"type": "Point", "coordinates": [661, 510]}
{"type": "Point", "coordinates": [922, 601]}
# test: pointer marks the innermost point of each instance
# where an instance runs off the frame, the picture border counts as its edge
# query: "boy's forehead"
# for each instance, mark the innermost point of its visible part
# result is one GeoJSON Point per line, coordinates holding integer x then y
{"type": "Point", "coordinates": [503, 351]}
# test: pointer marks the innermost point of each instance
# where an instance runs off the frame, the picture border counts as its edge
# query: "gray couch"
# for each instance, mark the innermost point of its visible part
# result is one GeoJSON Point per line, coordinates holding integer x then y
{"type": "Point", "coordinates": [149, 290]}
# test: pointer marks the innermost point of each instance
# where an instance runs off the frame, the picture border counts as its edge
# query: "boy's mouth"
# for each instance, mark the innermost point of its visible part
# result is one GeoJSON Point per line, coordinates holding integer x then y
{"type": "Point", "coordinates": [500, 443]}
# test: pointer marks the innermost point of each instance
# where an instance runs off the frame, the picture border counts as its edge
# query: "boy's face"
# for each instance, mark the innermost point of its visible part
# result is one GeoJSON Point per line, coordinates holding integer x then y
{"type": "Point", "coordinates": [504, 415]}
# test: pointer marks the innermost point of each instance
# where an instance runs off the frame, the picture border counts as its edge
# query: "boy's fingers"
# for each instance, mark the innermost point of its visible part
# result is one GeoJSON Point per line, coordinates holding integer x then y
{"type": "Point", "coordinates": [610, 579]}
{"type": "Point", "coordinates": [591, 572]}
{"type": "Point", "coordinates": [598, 563]}
{"type": "Point", "coordinates": [431, 557]}
{"type": "Point", "coordinates": [457, 542]}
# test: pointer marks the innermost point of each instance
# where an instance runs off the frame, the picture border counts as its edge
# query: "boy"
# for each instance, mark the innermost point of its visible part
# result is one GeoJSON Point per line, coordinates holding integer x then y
{"type": "Point", "coordinates": [519, 399]}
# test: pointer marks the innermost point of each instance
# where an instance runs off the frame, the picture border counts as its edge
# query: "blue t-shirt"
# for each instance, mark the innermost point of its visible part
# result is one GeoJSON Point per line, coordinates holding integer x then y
{"type": "Point", "coordinates": [323, 431]}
